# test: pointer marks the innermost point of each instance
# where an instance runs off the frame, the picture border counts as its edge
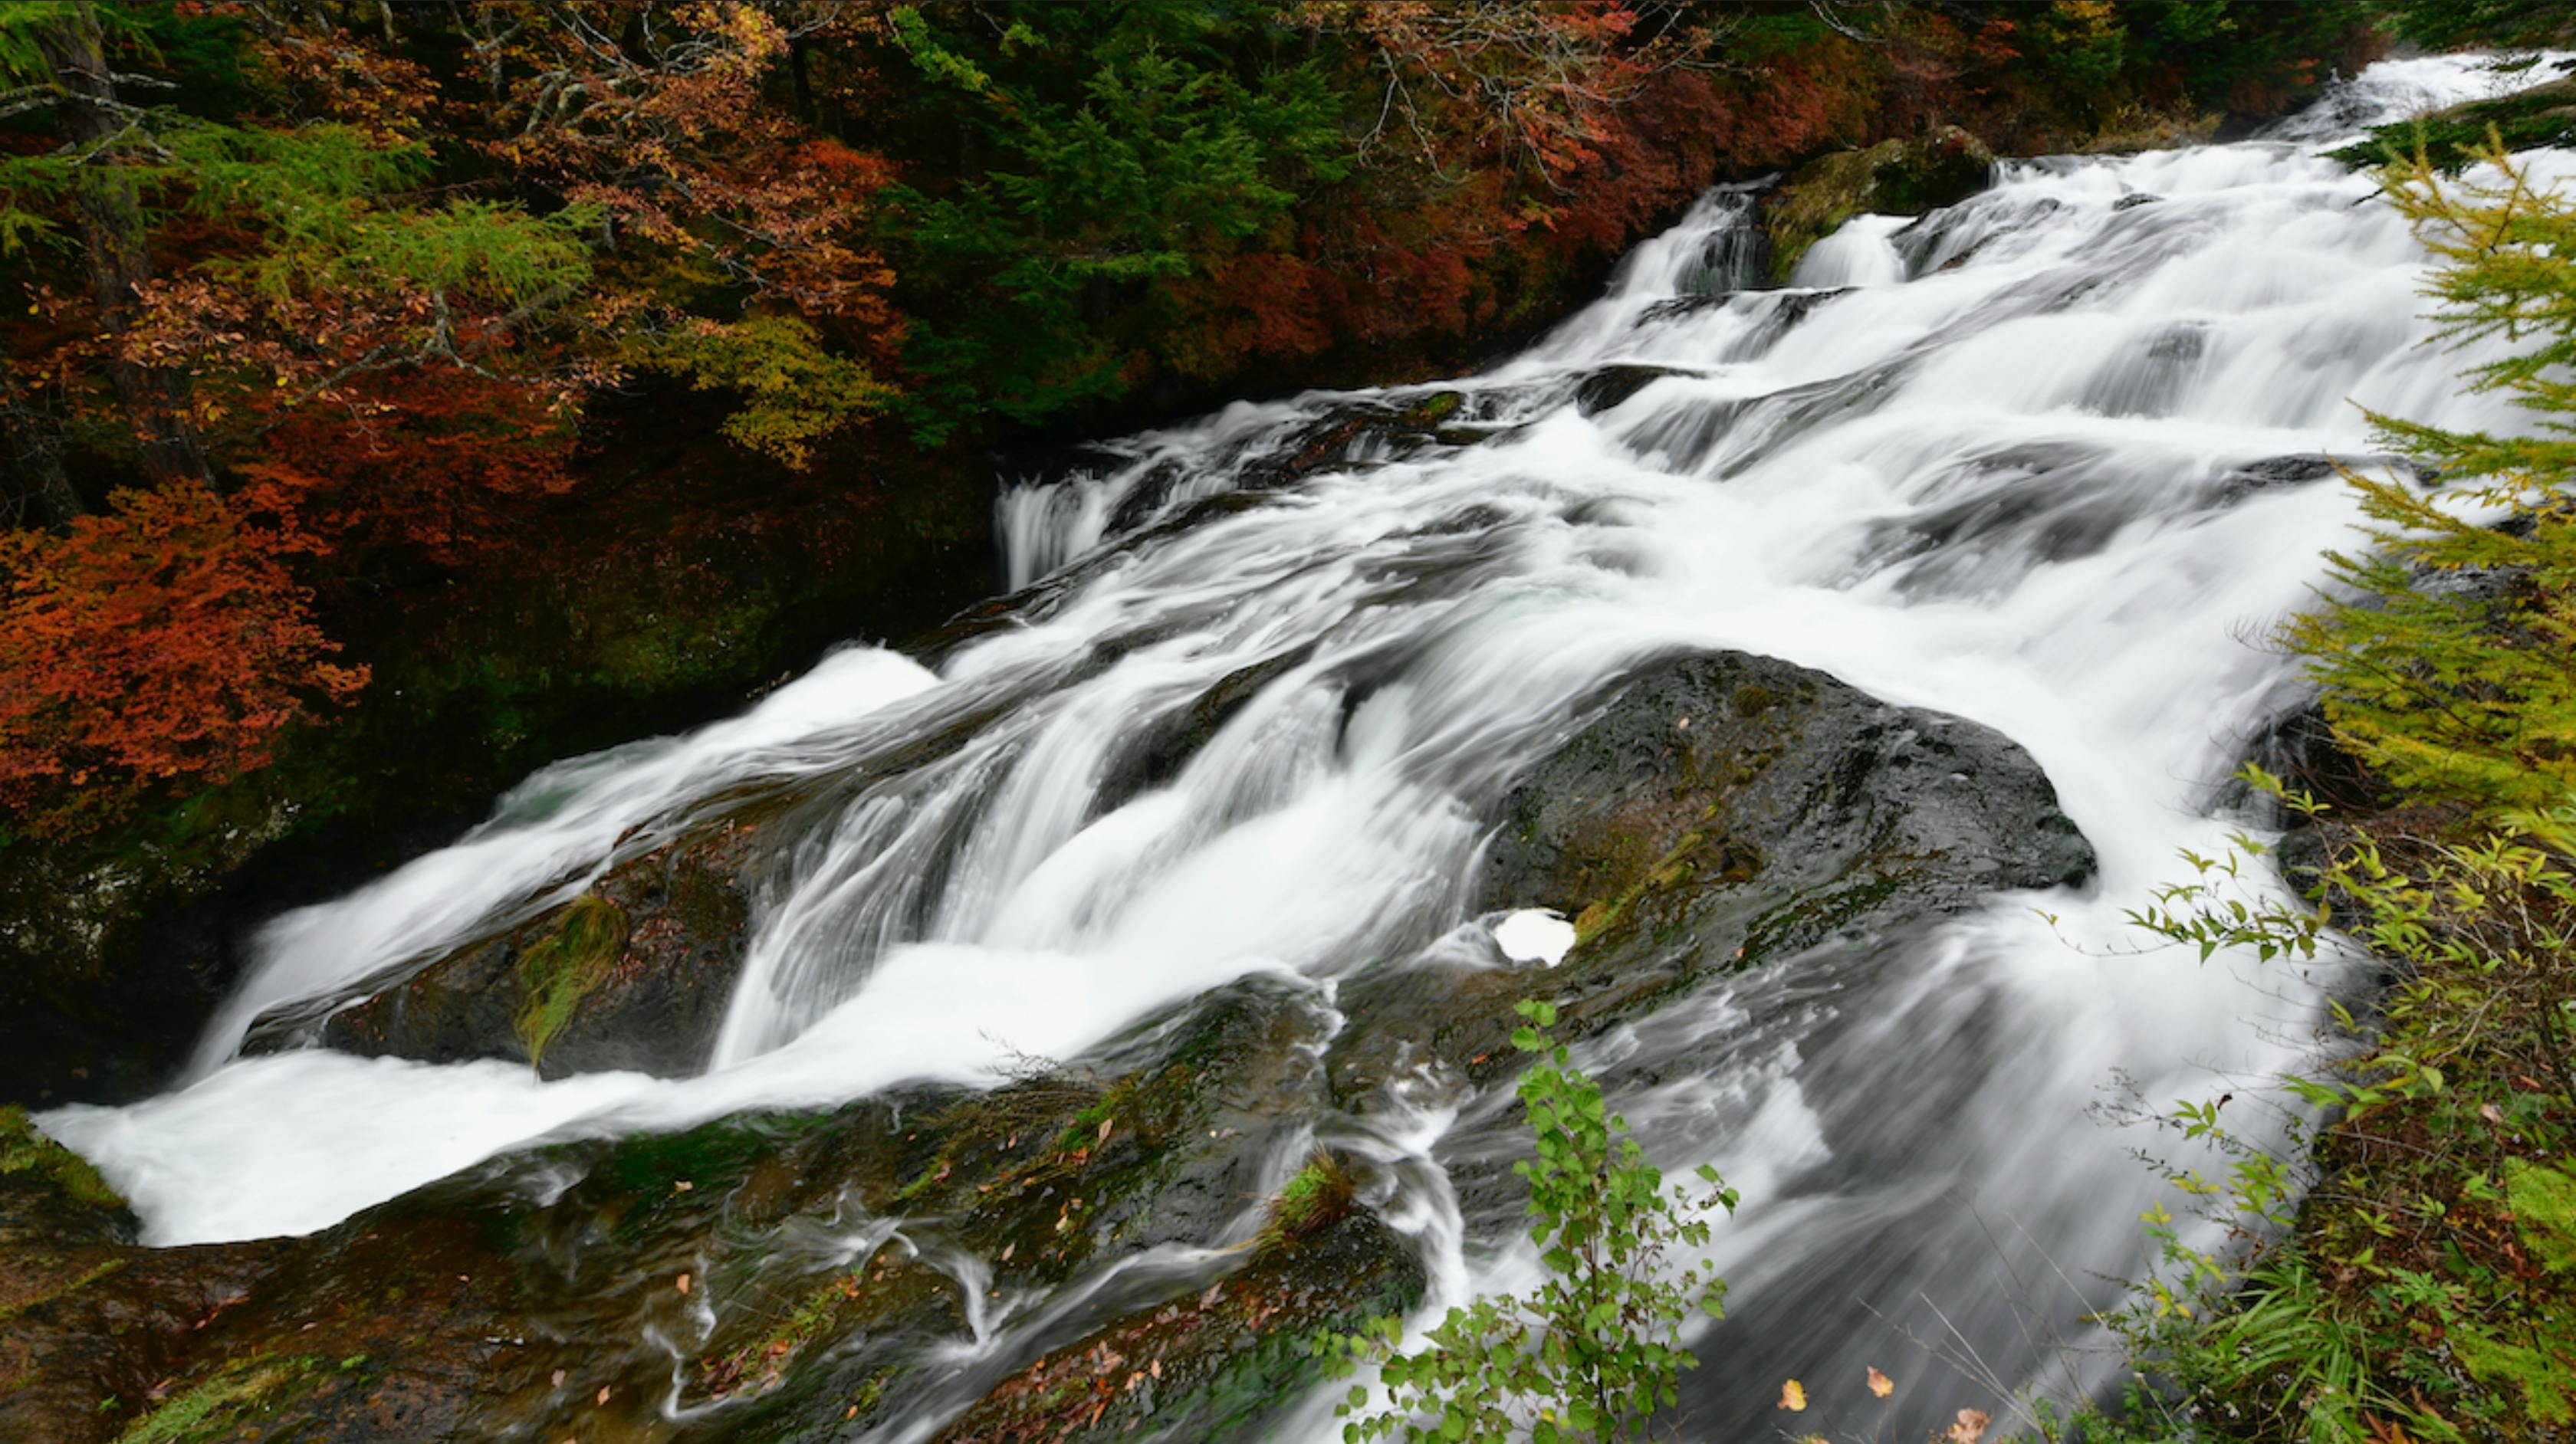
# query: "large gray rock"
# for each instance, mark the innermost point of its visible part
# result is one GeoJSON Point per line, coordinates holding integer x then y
{"type": "Point", "coordinates": [1720, 811]}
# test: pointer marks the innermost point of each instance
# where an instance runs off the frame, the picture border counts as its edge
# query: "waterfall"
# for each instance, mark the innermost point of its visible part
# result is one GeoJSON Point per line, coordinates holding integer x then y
{"type": "Point", "coordinates": [2004, 461]}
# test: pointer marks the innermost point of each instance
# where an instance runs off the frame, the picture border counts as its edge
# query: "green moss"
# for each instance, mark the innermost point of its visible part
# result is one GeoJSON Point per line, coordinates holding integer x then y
{"type": "Point", "coordinates": [1434, 409]}
{"type": "Point", "coordinates": [564, 967]}
{"type": "Point", "coordinates": [1671, 870]}
{"type": "Point", "coordinates": [2544, 1209]}
{"type": "Point", "coordinates": [25, 1150]}
{"type": "Point", "coordinates": [763, 1360]}
{"type": "Point", "coordinates": [1824, 195]}
{"type": "Point", "coordinates": [218, 1408]}
{"type": "Point", "coordinates": [921, 1183]}
{"type": "Point", "coordinates": [1893, 177]}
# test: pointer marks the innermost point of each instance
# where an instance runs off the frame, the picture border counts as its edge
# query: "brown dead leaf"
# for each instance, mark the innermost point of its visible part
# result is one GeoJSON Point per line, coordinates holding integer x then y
{"type": "Point", "coordinates": [1971, 1428]}
{"type": "Point", "coordinates": [1880, 1384]}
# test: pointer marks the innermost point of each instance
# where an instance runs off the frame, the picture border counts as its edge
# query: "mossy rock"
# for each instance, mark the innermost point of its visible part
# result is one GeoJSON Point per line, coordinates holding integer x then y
{"type": "Point", "coordinates": [1892, 178]}
{"type": "Point", "coordinates": [635, 973]}
{"type": "Point", "coordinates": [1714, 812]}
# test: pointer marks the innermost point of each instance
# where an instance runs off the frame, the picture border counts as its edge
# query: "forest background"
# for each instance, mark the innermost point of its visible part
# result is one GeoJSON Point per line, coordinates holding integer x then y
{"type": "Point", "coordinates": [397, 395]}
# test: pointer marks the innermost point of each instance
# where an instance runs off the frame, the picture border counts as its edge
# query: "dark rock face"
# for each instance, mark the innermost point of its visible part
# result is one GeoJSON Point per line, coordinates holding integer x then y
{"type": "Point", "coordinates": [85, 1315]}
{"type": "Point", "coordinates": [1611, 386]}
{"type": "Point", "coordinates": [1893, 177]}
{"type": "Point", "coordinates": [635, 974]}
{"type": "Point", "coordinates": [794, 1276]}
{"type": "Point", "coordinates": [1721, 811]}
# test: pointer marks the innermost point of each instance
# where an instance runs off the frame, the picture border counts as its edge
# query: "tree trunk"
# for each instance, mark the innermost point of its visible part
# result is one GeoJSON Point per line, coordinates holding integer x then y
{"type": "Point", "coordinates": [33, 488]}
{"type": "Point", "coordinates": [155, 397]}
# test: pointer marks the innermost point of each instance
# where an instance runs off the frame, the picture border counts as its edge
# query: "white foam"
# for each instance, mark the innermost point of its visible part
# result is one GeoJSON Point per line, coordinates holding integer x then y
{"type": "Point", "coordinates": [1535, 935]}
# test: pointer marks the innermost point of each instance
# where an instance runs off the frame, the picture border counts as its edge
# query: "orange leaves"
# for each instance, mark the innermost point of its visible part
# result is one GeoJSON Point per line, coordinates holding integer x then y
{"type": "Point", "coordinates": [1793, 1397]}
{"type": "Point", "coordinates": [166, 640]}
{"type": "Point", "coordinates": [430, 460]}
{"type": "Point", "coordinates": [1880, 1384]}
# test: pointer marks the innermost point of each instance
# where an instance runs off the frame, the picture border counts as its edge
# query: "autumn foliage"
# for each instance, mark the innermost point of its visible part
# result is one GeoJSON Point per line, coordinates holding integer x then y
{"type": "Point", "coordinates": [167, 640]}
{"type": "Point", "coordinates": [311, 307]}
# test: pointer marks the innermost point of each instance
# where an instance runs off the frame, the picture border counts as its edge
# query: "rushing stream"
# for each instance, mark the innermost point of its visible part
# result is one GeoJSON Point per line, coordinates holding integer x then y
{"type": "Point", "coordinates": [2021, 460]}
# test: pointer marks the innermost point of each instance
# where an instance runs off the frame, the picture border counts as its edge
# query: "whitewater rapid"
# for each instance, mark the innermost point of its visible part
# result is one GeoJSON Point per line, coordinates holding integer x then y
{"type": "Point", "coordinates": [2004, 461]}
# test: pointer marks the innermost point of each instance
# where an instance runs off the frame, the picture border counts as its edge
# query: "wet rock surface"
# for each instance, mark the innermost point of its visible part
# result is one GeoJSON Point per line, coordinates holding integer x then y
{"type": "Point", "coordinates": [767, 1276]}
{"type": "Point", "coordinates": [1893, 178]}
{"type": "Point", "coordinates": [634, 974]}
{"type": "Point", "coordinates": [1718, 812]}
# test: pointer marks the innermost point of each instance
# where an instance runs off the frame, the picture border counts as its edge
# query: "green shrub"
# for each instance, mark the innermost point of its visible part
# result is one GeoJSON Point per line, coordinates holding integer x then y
{"type": "Point", "coordinates": [1589, 1354]}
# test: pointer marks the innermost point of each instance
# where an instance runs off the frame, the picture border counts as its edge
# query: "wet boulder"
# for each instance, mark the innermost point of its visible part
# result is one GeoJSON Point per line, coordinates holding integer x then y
{"type": "Point", "coordinates": [1610, 387]}
{"type": "Point", "coordinates": [775, 1275]}
{"type": "Point", "coordinates": [635, 973]}
{"type": "Point", "coordinates": [1711, 812]}
{"type": "Point", "coordinates": [1905, 177]}
{"type": "Point", "coordinates": [89, 1322]}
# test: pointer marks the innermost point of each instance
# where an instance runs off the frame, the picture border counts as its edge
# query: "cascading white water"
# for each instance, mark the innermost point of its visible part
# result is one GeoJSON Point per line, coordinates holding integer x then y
{"type": "Point", "coordinates": [1994, 462]}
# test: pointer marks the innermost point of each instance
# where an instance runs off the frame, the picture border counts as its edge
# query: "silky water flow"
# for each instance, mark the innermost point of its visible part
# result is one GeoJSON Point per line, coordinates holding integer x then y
{"type": "Point", "coordinates": [2001, 461]}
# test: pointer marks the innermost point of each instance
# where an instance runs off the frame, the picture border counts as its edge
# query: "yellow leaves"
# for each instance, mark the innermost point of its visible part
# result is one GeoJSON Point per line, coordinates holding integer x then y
{"type": "Point", "coordinates": [1793, 1395]}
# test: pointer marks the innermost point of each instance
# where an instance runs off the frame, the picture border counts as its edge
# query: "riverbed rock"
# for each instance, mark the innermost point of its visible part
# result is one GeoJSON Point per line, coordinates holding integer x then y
{"type": "Point", "coordinates": [771, 1275]}
{"type": "Point", "coordinates": [1904, 177]}
{"type": "Point", "coordinates": [633, 974]}
{"type": "Point", "coordinates": [1711, 812]}
{"type": "Point", "coordinates": [89, 1322]}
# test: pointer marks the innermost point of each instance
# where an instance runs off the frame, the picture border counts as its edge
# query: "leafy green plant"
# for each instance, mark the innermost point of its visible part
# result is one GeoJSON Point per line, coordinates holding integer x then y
{"type": "Point", "coordinates": [1590, 1353]}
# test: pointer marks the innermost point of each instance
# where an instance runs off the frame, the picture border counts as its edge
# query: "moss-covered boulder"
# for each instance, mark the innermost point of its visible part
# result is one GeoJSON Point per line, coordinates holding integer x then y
{"type": "Point", "coordinates": [634, 973]}
{"type": "Point", "coordinates": [1891, 178]}
{"type": "Point", "coordinates": [1715, 812]}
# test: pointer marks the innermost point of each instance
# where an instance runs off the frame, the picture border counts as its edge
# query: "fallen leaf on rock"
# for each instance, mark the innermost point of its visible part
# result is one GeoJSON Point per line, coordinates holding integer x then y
{"type": "Point", "coordinates": [1793, 1396]}
{"type": "Point", "coordinates": [1880, 1384]}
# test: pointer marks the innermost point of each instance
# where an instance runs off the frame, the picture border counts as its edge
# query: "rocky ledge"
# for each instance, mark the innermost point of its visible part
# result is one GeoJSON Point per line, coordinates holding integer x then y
{"type": "Point", "coordinates": [1131, 1245]}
